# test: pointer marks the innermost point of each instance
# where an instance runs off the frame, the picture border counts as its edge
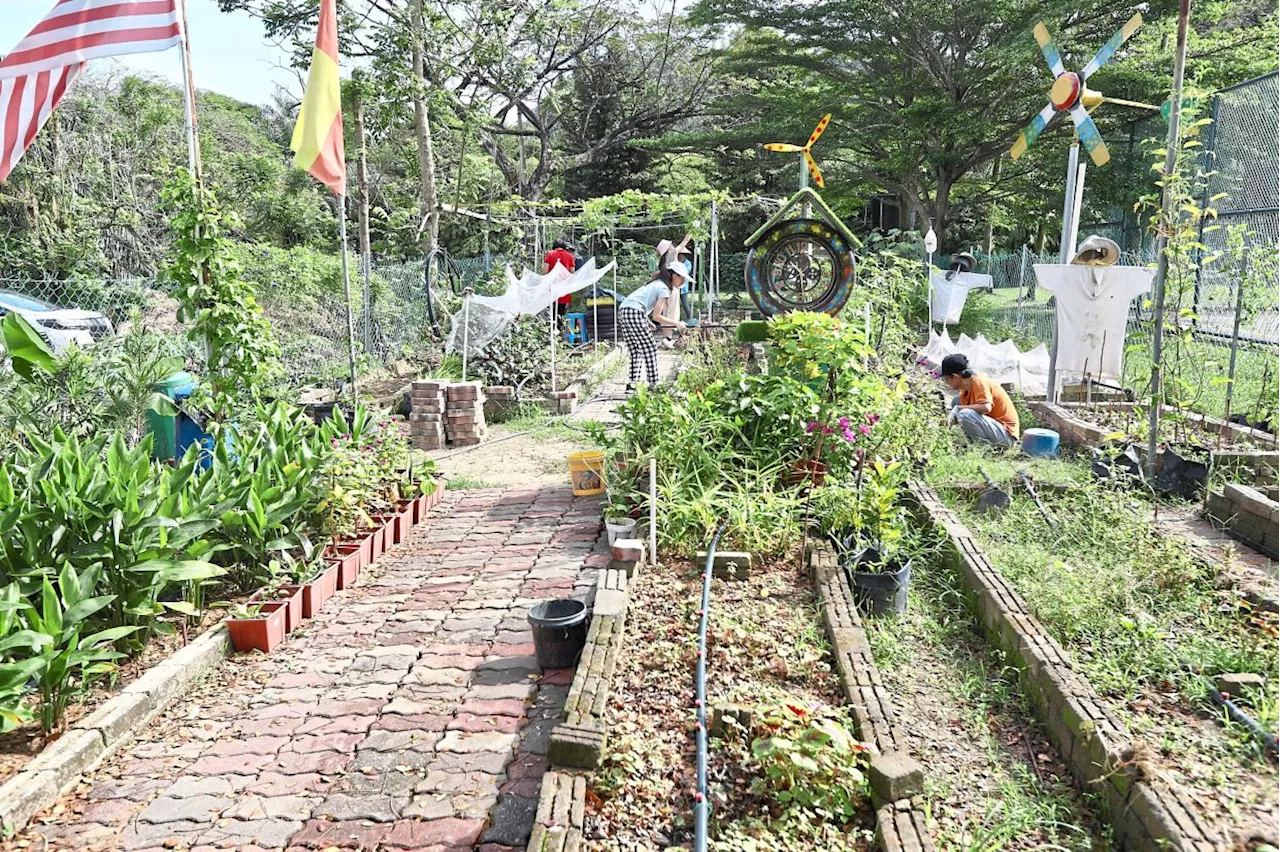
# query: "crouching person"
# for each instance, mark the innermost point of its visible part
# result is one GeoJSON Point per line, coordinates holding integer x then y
{"type": "Point", "coordinates": [983, 410]}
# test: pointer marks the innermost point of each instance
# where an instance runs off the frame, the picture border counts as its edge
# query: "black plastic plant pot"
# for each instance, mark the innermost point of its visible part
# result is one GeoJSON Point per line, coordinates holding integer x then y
{"type": "Point", "coordinates": [559, 632]}
{"type": "Point", "coordinates": [1180, 476]}
{"type": "Point", "coordinates": [882, 592]}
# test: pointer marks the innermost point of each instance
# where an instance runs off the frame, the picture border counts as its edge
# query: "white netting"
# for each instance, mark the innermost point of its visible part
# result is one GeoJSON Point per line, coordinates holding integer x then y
{"type": "Point", "coordinates": [482, 319]}
{"type": "Point", "coordinates": [1002, 362]}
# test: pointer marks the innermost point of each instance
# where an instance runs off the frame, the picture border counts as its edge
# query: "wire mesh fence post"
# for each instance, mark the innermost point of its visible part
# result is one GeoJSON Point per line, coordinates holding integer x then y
{"type": "Point", "coordinates": [1022, 277]}
{"type": "Point", "coordinates": [466, 328]}
{"type": "Point", "coordinates": [1235, 335]}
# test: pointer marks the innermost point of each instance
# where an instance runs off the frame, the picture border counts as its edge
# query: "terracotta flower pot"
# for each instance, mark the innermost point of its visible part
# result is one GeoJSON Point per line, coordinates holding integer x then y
{"type": "Point", "coordinates": [316, 593]}
{"type": "Point", "coordinates": [378, 542]}
{"type": "Point", "coordinates": [261, 633]}
{"type": "Point", "coordinates": [290, 597]}
{"type": "Point", "coordinates": [409, 509]}
{"type": "Point", "coordinates": [387, 525]}
{"type": "Point", "coordinates": [349, 557]}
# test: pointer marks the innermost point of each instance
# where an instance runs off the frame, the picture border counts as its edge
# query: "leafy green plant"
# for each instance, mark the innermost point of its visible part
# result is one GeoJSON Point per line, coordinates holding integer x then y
{"type": "Point", "coordinates": [100, 503]}
{"type": "Point", "coordinates": [17, 668]}
{"type": "Point", "coordinates": [69, 662]}
{"type": "Point", "coordinates": [809, 761]}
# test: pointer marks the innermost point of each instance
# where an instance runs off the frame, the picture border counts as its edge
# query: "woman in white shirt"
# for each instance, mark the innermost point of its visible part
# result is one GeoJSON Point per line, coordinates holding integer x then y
{"type": "Point", "coordinates": [633, 319]}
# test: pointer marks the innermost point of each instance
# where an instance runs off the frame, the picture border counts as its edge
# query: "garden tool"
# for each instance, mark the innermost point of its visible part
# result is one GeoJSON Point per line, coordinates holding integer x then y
{"type": "Point", "coordinates": [992, 501]}
{"type": "Point", "coordinates": [1026, 480]}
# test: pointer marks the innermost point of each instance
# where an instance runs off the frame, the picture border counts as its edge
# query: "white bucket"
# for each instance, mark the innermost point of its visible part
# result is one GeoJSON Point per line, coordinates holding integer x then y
{"type": "Point", "coordinates": [619, 528]}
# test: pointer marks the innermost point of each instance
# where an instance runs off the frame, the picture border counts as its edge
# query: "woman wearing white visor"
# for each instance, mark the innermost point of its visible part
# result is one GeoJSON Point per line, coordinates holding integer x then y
{"type": "Point", "coordinates": [635, 313]}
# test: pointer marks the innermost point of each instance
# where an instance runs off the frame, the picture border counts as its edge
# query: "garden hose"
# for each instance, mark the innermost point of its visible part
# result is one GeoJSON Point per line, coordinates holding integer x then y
{"type": "Point", "coordinates": [1237, 715]}
{"type": "Point", "coordinates": [702, 805]}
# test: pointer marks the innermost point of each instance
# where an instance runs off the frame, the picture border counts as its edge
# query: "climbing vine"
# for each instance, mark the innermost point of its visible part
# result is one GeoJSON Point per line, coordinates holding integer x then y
{"type": "Point", "coordinates": [224, 315]}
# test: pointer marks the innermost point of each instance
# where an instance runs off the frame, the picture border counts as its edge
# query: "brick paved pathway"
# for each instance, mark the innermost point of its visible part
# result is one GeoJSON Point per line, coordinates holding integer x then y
{"type": "Point", "coordinates": [410, 715]}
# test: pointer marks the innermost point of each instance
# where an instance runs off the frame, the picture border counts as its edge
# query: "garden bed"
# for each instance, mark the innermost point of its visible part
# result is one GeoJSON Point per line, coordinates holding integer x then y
{"type": "Point", "coordinates": [1124, 607]}
{"type": "Point", "coordinates": [1092, 425]}
{"type": "Point", "coordinates": [21, 745]}
{"type": "Point", "coordinates": [994, 780]}
{"type": "Point", "coordinates": [766, 651]}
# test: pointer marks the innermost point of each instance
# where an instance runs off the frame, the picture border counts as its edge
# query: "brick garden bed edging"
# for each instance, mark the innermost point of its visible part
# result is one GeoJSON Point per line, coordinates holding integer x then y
{"type": "Point", "coordinates": [1147, 813]}
{"type": "Point", "coordinates": [896, 778]}
{"type": "Point", "coordinates": [60, 766]}
{"type": "Point", "coordinates": [1258, 466]}
{"type": "Point", "coordinates": [1249, 514]}
{"type": "Point", "coordinates": [579, 741]}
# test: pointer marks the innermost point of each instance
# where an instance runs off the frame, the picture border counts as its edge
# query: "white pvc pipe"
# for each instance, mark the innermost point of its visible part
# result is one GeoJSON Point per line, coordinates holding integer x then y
{"type": "Point", "coordinates": [653, 511]}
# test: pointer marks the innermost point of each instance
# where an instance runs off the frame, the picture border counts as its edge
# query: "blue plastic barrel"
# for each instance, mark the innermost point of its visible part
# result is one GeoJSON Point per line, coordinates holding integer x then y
{"type": "Point", "coordinates": [1040, 443]}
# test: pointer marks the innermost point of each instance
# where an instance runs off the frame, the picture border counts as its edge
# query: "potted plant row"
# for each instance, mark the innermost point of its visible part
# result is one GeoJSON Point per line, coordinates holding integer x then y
{"type": "Point", "coordinates": [297, 589]}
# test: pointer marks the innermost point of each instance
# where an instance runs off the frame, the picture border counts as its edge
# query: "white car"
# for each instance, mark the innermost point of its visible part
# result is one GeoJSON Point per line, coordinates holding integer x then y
{"type": "Point", "coordinates": [60, 326]}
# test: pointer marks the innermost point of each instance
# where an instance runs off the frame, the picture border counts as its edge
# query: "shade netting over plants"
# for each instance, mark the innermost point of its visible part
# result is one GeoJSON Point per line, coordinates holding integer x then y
{"type": "Point", "coordinates": [482, 319]}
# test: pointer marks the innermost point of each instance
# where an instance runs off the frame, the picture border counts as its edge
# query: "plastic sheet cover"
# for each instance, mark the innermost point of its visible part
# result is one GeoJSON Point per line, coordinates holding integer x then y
{"type": "Point", "coordinates": [1002, 362]}
{"type": "Point", "coordinates": [947, 298]}
{"type": "Point", "coordinates": [485, 318]}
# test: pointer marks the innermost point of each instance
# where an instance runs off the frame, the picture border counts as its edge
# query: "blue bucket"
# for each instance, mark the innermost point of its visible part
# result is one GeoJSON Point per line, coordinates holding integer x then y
{"type": "Point", "coordinates": [1040, 443]}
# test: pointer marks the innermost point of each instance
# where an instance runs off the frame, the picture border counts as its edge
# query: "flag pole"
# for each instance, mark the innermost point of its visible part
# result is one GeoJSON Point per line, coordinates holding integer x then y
{"type": "Point", "coordinates": [189, 96]}
{"type": "Point", "coordinates": [346, 292]}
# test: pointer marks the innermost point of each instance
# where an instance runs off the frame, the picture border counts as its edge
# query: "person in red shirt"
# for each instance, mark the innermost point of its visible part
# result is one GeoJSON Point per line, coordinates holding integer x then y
{"type": "Point", "coordinates": [560, 255]}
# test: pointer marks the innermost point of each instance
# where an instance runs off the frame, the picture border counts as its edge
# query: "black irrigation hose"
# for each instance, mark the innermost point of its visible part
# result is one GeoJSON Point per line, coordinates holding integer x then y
{"type": "Point", "coordinates": [1237, 715]}
{"type": "Point", "coordinates": [702, 805]}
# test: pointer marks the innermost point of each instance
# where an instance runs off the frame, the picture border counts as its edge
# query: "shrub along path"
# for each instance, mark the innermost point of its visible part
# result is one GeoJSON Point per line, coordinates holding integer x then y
{"type": "Point", "coordinates": [409, 715]}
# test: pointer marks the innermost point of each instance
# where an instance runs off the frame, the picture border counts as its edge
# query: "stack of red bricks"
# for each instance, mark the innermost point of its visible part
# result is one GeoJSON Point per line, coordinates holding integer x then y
{"type": "Point", "coordinates": [464, 415]}
{"type": "Point", "coordinates": [426, 414]}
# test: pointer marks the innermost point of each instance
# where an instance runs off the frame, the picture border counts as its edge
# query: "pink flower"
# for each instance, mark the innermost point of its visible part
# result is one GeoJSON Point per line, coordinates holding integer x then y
{"type": "Point", "coordinates": [844, 422]}
{"type": "Point", "coordinates": [849, 436]}
{"type": "Point", "coordinates": [873, 419]}
{"type": "Point", "coordinates": [864, 429]}
{"type": "Point", "coordinates": [810, 428]}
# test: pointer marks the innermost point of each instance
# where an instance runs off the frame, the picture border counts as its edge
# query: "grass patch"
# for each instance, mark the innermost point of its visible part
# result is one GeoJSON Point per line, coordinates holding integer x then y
{"type": "Point", "coordinates": [536, 422]}
{"type": "Point", "coordinates": [1129, 605]}
{"type": "Point", "coordinates": [997, 783]}
{"type": "Point", "coordinates": [962, 463]}
{"type": "Point", "coordinates": [463, 482]}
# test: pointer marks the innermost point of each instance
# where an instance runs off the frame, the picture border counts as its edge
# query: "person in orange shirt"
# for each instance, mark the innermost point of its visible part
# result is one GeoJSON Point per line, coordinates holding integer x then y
{"type": "Point", "coordinates": [983, 410]}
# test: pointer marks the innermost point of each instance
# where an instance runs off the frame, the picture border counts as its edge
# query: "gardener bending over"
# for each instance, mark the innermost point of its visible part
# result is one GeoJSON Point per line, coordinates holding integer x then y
{"type": "Point", "coordinates": [983, 410]}
{"type": "Point", "coordinates": [633, 318]}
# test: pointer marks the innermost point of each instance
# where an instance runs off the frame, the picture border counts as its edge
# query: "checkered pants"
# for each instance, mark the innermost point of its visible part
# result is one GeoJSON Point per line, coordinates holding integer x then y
{"type": "Point", "coordinates": [638, 335]}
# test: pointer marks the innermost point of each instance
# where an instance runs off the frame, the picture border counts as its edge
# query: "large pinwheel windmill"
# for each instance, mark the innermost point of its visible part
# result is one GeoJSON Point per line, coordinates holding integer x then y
{"type": "Point", "coordinates": [1069, 93]}
{"type": "Point", "coordinates": [809, 165]}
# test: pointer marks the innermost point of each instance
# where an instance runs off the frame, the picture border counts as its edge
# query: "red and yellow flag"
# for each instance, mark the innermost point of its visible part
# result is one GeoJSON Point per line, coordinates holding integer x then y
{"type": "Point", "coordinates": [317, 137]}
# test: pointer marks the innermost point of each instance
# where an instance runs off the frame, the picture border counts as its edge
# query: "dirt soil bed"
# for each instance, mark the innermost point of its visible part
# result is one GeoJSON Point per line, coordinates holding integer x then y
{"type": "Point", "coordinates": [1189, 433]}
{"type": "Point", "coordinates": [766, 650]}
{"type": "Point", "coordinates": [993, 780]}
{"type": "Point", "coordinates": [1129, 606]}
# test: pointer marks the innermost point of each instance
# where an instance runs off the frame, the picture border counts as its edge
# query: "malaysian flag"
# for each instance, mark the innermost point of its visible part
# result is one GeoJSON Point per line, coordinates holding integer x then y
{"type": "Point", "coordinates": [35, 74]}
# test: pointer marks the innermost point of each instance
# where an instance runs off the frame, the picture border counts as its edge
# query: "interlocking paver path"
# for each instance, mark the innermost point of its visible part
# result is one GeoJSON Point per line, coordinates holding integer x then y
{"type": "Point", "coordinates": [410, 715]}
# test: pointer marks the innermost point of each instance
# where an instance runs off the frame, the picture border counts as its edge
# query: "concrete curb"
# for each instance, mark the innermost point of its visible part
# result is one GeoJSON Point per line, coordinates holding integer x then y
{"type": "Point", "coordinates": [58, 767]}
{"type": "Point", "coordinates": [900, 824]}
{"type": "Point", "coordinates": [1146, 812]}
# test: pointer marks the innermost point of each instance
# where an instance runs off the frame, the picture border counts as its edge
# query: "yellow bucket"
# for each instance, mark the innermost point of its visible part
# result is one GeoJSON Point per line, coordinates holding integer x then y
{"type": "Point", "coordinates": [586, 472]}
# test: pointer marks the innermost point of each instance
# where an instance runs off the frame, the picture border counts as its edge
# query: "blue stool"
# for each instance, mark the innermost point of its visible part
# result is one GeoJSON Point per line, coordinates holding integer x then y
{"type": "Point", "coordinates": [1040, 443]}
{"type": "Point", "coordinates": [577, 328]}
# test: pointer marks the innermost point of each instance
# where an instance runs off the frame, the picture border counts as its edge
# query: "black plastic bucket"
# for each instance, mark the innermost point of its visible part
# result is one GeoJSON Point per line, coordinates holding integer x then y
{"type": "Point", "coordinates": [559, 632]}
{"type": "Point", "coordinates": [879, 592]}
